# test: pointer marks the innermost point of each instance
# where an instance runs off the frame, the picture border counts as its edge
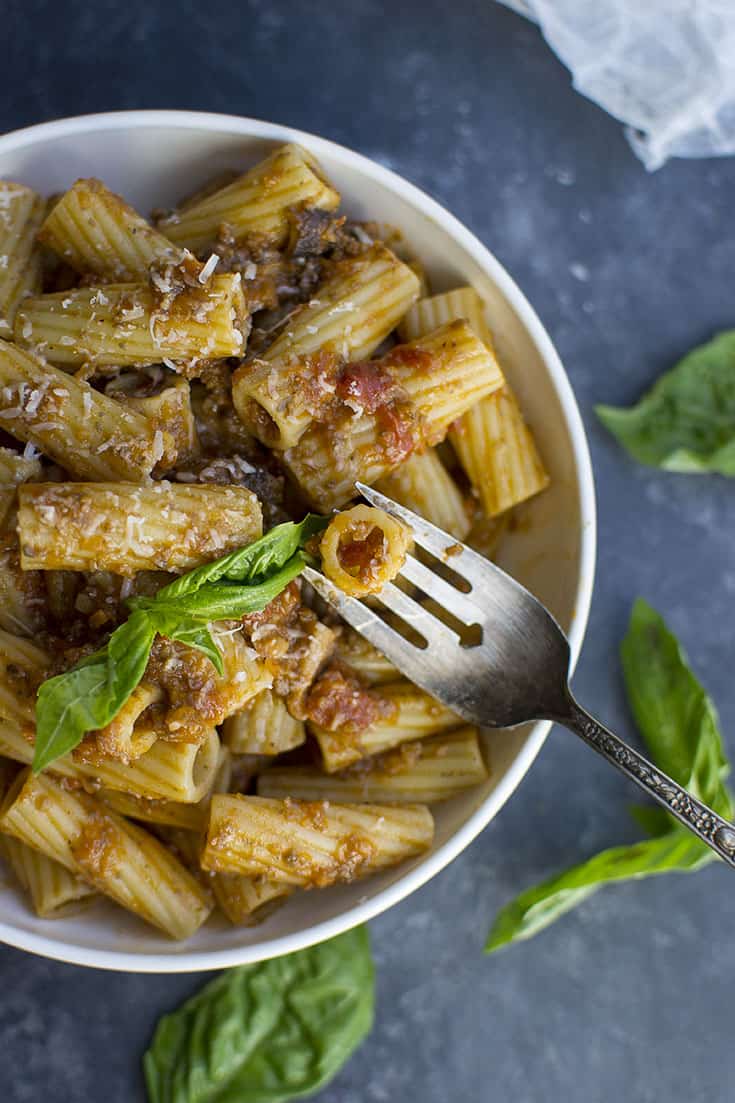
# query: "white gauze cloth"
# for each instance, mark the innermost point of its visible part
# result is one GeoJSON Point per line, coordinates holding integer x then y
{"type": "Point", "coordinates": [666, 68]}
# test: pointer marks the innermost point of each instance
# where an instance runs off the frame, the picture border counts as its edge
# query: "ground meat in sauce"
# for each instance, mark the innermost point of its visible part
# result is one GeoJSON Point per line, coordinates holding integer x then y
{"type": "Point", "coordinates": [193, 699]}
{"type": "Point", "coordinates": [292, 643]}
{"type": "Point", "coordinates": [361, 552]}
{"type": "Point", "coordinates": [307, 813]}
{"type": "Point", "coordinates": [98, 849]}
{"type": "Point", "coordinates": [175, 286]}
{"type": "Point", "coordinates": [277, 613]}
{"type": "Point", "coordinates": [366, 385]}
{"type": "Point", "coordinates": [398, 429]}
{"type": "Point", "coordinates": [270, 277]}
{"type": "Point", "coordinates": [339, 700]}
{"type": "Point", "coordinates": [313, 231]}
{"type": "Point", "coordinates": [237, 470]}
{"type": "Point", "coordinates": [354, 852]}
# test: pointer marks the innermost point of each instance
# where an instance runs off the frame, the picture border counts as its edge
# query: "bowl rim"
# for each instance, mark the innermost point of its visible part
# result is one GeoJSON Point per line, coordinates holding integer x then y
{"type": "Point", "coordinates": [198, 960]}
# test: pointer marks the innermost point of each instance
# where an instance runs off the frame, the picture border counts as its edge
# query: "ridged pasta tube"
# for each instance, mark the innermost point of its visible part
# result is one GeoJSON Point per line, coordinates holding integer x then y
{"type": "Point", "coordinates": [305, 843]}
{"type": "Point", "coordinates": [87, 433]}
{"type": "Point", "coordinates": [126, 528]}
{"type": "Point", "coordinates": [279, 394]}
{"type": "Point", "coordinates": [117, 858]}
{"type": "Point", "coordinates": [125, 324]}
{"type": "Point", "coordinates": [21, 213]}
{"type": "Point", "coordinates": [422, 772]}
{"type": "Point", "coordinates": [256, 205]}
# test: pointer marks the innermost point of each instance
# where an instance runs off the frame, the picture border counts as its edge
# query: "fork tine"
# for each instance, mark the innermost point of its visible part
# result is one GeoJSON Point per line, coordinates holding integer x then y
{"type": "Point", "coordinates": [465, 562]}
{"type": "Point", "coordinates": [421, 620]}
{"type": "Point", "coordinates": [446, 595]}
{"type": "Point", "coordinates": [401, 652]}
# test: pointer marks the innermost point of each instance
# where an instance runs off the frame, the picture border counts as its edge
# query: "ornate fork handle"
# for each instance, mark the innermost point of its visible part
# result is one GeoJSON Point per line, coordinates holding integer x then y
{"type": "Point", "coordinates": [711, 828]}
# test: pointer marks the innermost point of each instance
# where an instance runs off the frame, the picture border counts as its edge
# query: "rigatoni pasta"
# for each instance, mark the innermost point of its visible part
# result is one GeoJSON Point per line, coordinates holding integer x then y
{"type": "Point", "coordinates": [117, 858]}
{"type": "Point", "coordinates": [499, 454]}
{"type": "Point", "coordinates": [372, 667]}
{"type": "Point", "coordinates": [175, 771]}
{"type": "Point", "coordinates": [127, 528]}
{"type": "Point", "coordinates": [279, 394]}
{"type": "Point", "coordinates": [493, 442]}
{"type": "Point", "coordinates": [130, 324]}
{"type": "Point", "coordinates": [16, 468]}
{"type": "Point", "coordinates": [413, 714]}
{"type": "Point", "coordinates": [403, 403]}
{"type": "Point", "coordinates": [21, 212]}
{"type": "Point", "coordinates": [170, 411]}
{"type": "Point", "coordinates": [264, 727]}
{"type": "Point", "coordinates": [311, 843]}
{"type": "Point", "coordinates": [424, 485]}
{"type": "Point", "coordinates": [54, 891]}
{"type": "Point", "coordinates": [85, 432]}
{"type": "Point", "coordinates": [363, 548]}
{"type": "Point", "coordinates": [255, 205]}
{"type": "Point", "coordinates": [168, 389]}
{"type": "Point", "coordinates": [248, 900]}
{"type": "Point", "coordinates": [98, 233]}
{"type": "Point", "coordinates": [420, 773]}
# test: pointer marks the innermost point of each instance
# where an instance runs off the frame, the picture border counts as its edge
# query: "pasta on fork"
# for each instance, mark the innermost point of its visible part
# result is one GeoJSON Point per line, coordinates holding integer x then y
{"type": "Point", "coordinates": [183, 730]}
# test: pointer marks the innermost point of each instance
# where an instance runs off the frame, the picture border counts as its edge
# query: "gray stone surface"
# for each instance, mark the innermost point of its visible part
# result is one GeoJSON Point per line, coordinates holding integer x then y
{"type": "Point", "coordinates": [630, 996]}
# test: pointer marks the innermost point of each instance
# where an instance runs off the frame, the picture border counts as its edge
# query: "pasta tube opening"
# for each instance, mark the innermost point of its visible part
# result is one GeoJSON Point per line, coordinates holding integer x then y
{"type": "Point", "coordinates": [362, 549]}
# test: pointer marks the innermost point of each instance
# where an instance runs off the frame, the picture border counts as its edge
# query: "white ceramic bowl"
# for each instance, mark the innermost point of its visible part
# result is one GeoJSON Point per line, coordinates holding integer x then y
{"type": "Point", "coordinates": [152, 157]}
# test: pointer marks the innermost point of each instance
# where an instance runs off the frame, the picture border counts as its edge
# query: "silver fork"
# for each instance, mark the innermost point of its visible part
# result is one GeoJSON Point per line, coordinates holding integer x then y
{"type": "Point", "coordinates": [519, 670]}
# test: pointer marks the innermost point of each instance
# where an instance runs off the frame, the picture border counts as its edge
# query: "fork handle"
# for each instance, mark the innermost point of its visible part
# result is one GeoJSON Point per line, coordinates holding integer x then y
{"type": "Point", "coordinates": [711, 828]}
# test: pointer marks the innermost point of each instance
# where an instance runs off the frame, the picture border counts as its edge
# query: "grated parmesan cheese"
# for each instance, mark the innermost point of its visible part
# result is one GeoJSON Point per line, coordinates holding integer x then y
{"type": "Point", "coordinates": [208, 268]}
{"type": "Point", "coordinates": [157, 445]}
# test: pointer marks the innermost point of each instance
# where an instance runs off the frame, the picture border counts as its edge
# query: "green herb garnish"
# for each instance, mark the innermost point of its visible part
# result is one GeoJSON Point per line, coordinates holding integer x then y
{"type": "Point", "coordinates": [679, 725]}
{"type": "Point", "coordinates": [91, 694]}
{"type": "Point", "coordinates": [686, 422]}
{"type": "Point", "coordinates": [267, 1033]}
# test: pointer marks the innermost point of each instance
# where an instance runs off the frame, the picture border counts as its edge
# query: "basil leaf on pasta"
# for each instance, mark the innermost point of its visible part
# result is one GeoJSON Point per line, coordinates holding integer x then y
{"type": "Point", "coordinates": [254, 563]}
{"type": "Point", "coordinates": [90, 695]}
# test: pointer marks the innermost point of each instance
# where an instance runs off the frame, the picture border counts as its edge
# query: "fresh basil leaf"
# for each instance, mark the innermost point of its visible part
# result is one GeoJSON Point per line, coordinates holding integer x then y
{"type": "Point", "coordinates": [654, 819]}
{"type": "Point", "coordinates": [672, 710]}
{"type": "Point", "coordinates": [686, 422]}
{"type": "Point", "coordinates": [128, 651]}
{"type": "Point", "coordinates": [538, 907]}
{"type": "Point", "coordinates": [91, 694]}
{"type": "Point", "coordinates": [69, 705]}
{"type": "Point", "coordinates": [227, 601]}
{"type": "Point", "coordinates": [266, 1033]}
{"type": "Point", "coordinates": [253, 563]}
{"type": "Point", "coordinates": [198, 636]}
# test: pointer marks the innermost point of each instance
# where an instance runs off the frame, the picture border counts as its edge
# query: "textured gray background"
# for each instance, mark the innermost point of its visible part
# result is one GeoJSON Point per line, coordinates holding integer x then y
{"type": "Point", "coordinates": [629, 997]}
